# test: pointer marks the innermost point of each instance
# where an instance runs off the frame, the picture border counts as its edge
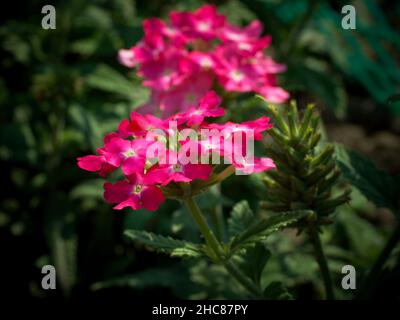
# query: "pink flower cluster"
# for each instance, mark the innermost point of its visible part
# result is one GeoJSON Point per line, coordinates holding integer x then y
{"type": "Point", "coordinates": [142, 149]}
{"type": "Point", "coordinates": [181, 60]}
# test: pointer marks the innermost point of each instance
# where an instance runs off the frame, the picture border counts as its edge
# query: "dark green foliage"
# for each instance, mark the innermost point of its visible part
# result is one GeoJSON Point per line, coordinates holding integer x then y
{"type": "Point", "coordinates": [323, 58]}
{"type": "Point", "coordinates": [374, 183]}
{"type": "Point", "coordinates": [260, 229]}
{"type": "Point", "coordinates": [62, 90]}
{"type": "Point", "coordinates": [173, 247]}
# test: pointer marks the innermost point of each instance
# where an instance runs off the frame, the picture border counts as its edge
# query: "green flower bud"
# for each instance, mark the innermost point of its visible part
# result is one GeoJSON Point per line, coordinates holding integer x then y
{"type": "Point", "coordinates": [304, 177]}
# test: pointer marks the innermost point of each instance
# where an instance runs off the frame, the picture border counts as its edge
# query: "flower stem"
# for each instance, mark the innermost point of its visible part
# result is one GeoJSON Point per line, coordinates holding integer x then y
{"type": "Point", "coordinates": [201, 222]}
{"type": "Point", "coordinates": [217, 216]}
{"type": "Point", "coordinates": [322, 262]}
{"type": "Point", "coordinates": [215, 245]}
{"type": "Point", "coordinates": [219, 177]}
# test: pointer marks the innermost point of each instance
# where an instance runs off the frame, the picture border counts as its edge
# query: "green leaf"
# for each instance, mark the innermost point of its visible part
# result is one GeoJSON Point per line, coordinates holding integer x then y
{"type": "Point", "coordinates": [62, 239]}
{"type": "Point", "coordinates": [364, 239]}
{"type": "Point", "coordinates": [168, 245]}
{"type": "Point", "coordinates": [107, 79]}
{"type": "Point", "coordinates": [88, 189]}
{"type": "Point", "coordinates": [276, 291]}
{"type": "Point", "coordinates": [254, 261]}
{"type": "Point", "coordinates": [262, 228]}
{"type": "Point", "coordinates": [312, 77]}
{"type": "Point", "coordinates": [241, 218]}
{"type": "Point", "coordinates": [375, 184]}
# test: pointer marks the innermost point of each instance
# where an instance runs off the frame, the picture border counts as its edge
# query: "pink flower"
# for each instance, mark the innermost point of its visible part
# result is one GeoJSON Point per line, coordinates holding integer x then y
{"type": "Point", "coordinates": [256, 126]}
{"type": "Point", "coordinates": [201, 24]}
{"type": "Point", "coordinates": [130, 154]}
{"type": "Point", "coordinates": [127, 57]}
{"type": "Point", "coordinates": [246, 39]}
{"type": "Point", "coordinates": [207, 149]}
{"type": "Point", "coordinates": [165, 73]}
{"type": "Point", "coordinates": [208, 107]}
{"type": "Point", "coordinates": [236, 34]}
{"type": "Point", "coordinates": [187, 95]}
{"type": "Point", "coordinates": [153, 104]}
{"type": "Point", "coordinates": [273, 94]}
{"type": "Point", "coordinates": [198, 61]}
{"type": "Point", "coordinates": [154, 27]}
{"type": "Point", "coordinates": [253, 166]}
{"type": "Point", "coordinates": [148, 49]}
{"type": "Point", "coordinates": [146, 153]}
{"type": "Point", "coordinates": [95, 163]}
{"type": "Point", "coordinates": [266, 65]}
{"type": "Point", "coordinates": [178, 172]}
{"type": "Point", "coordinates": [134, 195]}
{"type": "Point", "coordinates": [180, 60]}
{"type": "Point", "coordinates": [234, 72]}
{"type": "Point", "coordinates": [140, 124]}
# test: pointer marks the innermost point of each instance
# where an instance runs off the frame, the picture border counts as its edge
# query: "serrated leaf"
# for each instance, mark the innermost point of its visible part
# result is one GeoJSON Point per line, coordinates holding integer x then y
{"type": "Point", "coordinates": [375, 184]}
{"type": "Point", "coordinates": [262, 228]}
{"type": "Point", "coordinates": [168, 245]}
{"type": "Point", "coordinates": [241, 218]}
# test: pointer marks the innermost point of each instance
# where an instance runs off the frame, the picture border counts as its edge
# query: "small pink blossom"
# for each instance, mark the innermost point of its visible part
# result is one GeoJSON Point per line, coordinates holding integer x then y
{"type": "Point", "coordinates": [186, 95]}
{"type": "Point", "coordinates": [165, 73]}
{"type": "Point", "coordinates": [130, 154]}
{"type": "Point", "coordinates": [254, 166]}
{"type": "Point", "coordinates": [136, 196]}
{"type": "Point", "coordinates": [256, 126]}
{"type": "Point", "coordinates": [178, 172]}
{"type": "Point", "coordinates": [95, 163]}
{"type": "Point", "coordinates": [127, 57]}
{"type": "Point", "coordinates": [201, 24]}
{"type": "Point", "coordinates": [208, 107]}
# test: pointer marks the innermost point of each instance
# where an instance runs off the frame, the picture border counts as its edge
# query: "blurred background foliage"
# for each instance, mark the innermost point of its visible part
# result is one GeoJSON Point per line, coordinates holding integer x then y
{"type": "Point", "coordinates": [62, 90]}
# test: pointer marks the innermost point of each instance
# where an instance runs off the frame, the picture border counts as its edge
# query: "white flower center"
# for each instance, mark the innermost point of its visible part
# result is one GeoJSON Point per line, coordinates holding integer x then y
{"type": "Point", "coordinates": [244, 46]}
{"type": "Point", "coordinates": [206, 63]}
{"type": "Point", "coordinates": [177, 167]}
{"type": "Point", "coordinates": [236, 75]}
{"type": "Point", "coordinates": [137, 189]}
{"type": "Point", "coordinates": [203, 26]}
{"type": "Point", "coordinates": [129, 153]}
{"type": "Point", "coordinates": [234, 36]}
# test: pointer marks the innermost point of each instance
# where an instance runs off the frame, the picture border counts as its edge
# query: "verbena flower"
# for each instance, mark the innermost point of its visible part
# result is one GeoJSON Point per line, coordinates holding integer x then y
{"type": "Point", "coordinates": [182, 59]}
{"type": "Point", "coordinates": [154, 155]}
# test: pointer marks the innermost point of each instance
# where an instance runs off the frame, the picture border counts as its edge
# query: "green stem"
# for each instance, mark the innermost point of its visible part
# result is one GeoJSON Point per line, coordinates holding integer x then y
{"type": "Point", "coordinates": [215, 245]}
{"type": "Point", "coordinates": [369, 282]}
{"type": "Point", "coordinates": [228, 171]}
{"type": "Point", "coordinates": [217, 216]}
{"type": "Point", "coordinates": [201, 222]}
{"type": "Point", "coordinates": [225, 173]}
{"type": "Point", "coordinates": [322, 262]}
